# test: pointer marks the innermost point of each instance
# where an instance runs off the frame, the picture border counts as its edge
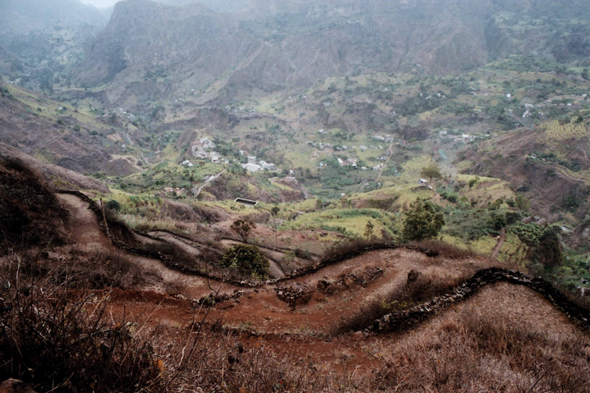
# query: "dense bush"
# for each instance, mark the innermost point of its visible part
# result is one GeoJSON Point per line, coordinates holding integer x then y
{"type": "Point", "coordinates": [247, 259]}
{"type": "Point", "coordinates": [424, 220]}
{"type": "Point", "coordinates": [51, 342]}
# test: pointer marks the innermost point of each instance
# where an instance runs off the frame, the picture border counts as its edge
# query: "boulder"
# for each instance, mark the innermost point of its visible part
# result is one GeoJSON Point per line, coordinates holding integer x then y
{"type": "Point", "coordinates": [15, 386]}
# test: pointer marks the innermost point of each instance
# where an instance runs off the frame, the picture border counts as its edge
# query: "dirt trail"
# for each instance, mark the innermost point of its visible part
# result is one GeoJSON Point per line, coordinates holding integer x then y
{"type": "Point", "coordinates": [499, 245]}
{"type": "Point", "coordinates": [261, 309]}
{"type": "Point", "coordinates": [184, 244]}
{"type": "Point", "coordinates": [88, 236]}
{"type": "Point", "coordinates": [211, 179]}
{"type": "Point", "coordinates": [83, 225]}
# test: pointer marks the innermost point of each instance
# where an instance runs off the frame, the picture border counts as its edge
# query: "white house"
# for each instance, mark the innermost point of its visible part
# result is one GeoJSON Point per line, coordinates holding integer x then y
{"type": "Point", "coordinates": [252, 167]}
{"type": "Point", "coordinates": [214, 157]}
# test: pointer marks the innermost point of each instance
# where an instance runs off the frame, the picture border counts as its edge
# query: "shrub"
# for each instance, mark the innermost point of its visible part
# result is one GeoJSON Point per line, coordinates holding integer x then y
{"type": "Point", "coordinates": [247, 259]}
{"type": "Point", "coordinates": [52, 342]}
{"type": "Point", "coordinates": [243, 228]}
{"type": "Point", "coordinates": [443, 249]}
{"type": "Point", "coordinates": [113, 205]}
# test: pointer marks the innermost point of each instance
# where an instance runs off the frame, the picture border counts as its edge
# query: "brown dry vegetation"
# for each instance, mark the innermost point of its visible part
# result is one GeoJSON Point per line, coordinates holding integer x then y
{"type": "Point", "coordinates": [53, 337]}
{"type": "Point", "coordinates": [29, 212]}
{"type": "Point", "coordinates": [83, 320]}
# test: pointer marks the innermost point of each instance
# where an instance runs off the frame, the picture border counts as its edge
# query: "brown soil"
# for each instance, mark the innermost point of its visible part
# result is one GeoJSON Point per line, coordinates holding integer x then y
{"type": "Point", "coordinates": [304, 330]}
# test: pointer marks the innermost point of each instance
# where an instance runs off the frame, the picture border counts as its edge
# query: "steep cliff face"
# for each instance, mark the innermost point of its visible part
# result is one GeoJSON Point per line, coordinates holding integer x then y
{"type": "Point", "coordinates": [277, 44]}
{"type": "Point", "coordinates": [143, 36]}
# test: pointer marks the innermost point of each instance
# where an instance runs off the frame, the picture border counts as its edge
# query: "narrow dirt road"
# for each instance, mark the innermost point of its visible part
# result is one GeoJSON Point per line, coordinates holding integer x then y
{"type": "Point", "coordinates": [499, 245]}
{"type": "Point", "coordinates": [83, 225]}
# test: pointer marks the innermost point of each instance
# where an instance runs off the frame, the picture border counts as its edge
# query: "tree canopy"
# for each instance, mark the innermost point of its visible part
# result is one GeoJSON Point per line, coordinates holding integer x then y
{"type": "Point", "coordinates": [424, 220]}
{"type": "Point", "coordinates": [247, 259]}
{"type": "Point", "coordinates": [431, 172]}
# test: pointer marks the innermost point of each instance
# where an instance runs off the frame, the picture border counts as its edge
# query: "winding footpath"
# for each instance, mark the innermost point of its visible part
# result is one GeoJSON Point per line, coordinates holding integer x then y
{"type": "Point", "coordinates": [88, 228]}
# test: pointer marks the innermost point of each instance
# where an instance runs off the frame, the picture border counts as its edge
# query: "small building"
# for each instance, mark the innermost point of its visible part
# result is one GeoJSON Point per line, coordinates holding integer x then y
{"type": "Point", "coordinates": [251, 159]}
{"type": "Point", "coordinates": [250, 167]}
{"type": "Point", "coordinates": [423, 182]}
{"type": "Point", "coordinates": [268, 166]}
{"type": "Point", "coordinates": [246, 202]}
{"type": "Point", "coordinates": [214, 157]}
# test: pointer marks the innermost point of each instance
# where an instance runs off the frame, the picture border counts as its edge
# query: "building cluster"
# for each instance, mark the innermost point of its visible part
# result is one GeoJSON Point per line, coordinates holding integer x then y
{"type": "Point", "coordinates": [204, 149]}
{"type": "Point", "coordinates": [464, 138]}
{"type": "Point", "coordinates": [255, 166]}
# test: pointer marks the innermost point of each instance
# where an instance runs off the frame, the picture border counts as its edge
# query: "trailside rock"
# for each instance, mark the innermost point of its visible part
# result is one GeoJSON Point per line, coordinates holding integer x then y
{"type": "Point", "coordinates": [15, 386]}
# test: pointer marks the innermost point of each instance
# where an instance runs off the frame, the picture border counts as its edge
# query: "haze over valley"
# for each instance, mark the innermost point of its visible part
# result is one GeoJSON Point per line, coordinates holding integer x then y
{"type": "Point", "coordinates": [295, 195]}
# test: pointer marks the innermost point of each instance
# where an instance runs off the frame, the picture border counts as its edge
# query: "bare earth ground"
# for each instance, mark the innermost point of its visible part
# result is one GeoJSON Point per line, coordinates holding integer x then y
{"type": "Point", "coordinates": [305, 331]}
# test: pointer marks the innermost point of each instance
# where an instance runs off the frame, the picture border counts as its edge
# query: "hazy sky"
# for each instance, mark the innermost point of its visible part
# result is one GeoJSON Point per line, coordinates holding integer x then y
{"type": "Point", "coordinates": [100, 3]}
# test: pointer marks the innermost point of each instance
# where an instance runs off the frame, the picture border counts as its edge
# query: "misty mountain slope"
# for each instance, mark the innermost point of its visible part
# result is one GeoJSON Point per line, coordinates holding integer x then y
{"type": "Point", "coordinates": [23, 16]}
{"type": "Point", "coordinates": [217, 5]}
{"type": "Point", "coordinates": [143, 36]}
{"type": "Point", "coordinates": [61, 135]}
{"type": "Point", "coordinates": [195, 45]}
{"type": "Point", "coordinates": [289, 44]}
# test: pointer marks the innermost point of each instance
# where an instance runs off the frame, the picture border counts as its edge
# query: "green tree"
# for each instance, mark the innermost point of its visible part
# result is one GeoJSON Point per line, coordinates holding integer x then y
{"type": "Point", "coordinates": [243, 228]}
{"type": "Point", "coordinates": [431, 172]}
{"type": "Point", "coordinates": [424, 220]}
{"type": "Point", "coordinates": [523, 203]}
{"type": "Point", "coordinates": [247, 259]}
{"type": "Point", "coordinates": [113, 205]}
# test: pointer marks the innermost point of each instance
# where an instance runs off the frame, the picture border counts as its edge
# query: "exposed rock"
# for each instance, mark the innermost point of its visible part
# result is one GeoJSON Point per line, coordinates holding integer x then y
{"type": "Point", "coordinates": [15, 386]}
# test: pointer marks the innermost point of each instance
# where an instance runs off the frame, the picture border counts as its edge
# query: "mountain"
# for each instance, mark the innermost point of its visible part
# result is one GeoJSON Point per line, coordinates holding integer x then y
{"type": "Point", "coordinates": [156, 49]}
{"type": "Point", "coordinates": [217, 5]}
{"type": "Point", "coordinates": [41, 39]}
{"type": "Point", "coordinates": [60, 134]}
{"type": "Point", "coordinates": [24, 16]}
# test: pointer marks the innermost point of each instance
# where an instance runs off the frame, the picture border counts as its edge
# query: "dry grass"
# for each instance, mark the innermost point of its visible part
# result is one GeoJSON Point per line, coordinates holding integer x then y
{"type": "Point", "coordinates": [474, 352]}
{"type": "Point", "coordinates": [62, 343]}
{"type": "Point", "coordinates": [349, 248]}
{"type": "Point", "coordinates": [418, 289]}
{"type": "Point", "coordinates": [438, 248]}
{"type": "Point", "coordinates": [49, 337]}
{"type": "Point", "coordinates": [58, 341]}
